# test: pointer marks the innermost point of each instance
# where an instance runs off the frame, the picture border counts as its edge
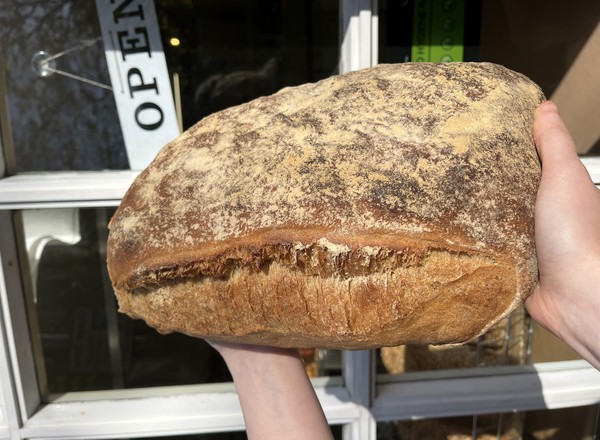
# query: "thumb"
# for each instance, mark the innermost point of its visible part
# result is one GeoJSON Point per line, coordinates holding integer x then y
{"type": "Point", "coordinates": [555, 144]}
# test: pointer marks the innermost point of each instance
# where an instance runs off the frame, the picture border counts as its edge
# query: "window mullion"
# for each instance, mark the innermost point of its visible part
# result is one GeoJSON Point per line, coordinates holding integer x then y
{"type": "Point", "coordinates": [22, 397]}
{"type": "Point", "coordinates": [501, 390]}
{"type": "Point", "coordinates": [358, 34]}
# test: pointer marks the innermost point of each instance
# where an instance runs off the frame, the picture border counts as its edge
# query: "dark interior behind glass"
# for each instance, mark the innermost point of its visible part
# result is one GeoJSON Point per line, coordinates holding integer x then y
{"type": "Point", "coordinates": [229, 52]}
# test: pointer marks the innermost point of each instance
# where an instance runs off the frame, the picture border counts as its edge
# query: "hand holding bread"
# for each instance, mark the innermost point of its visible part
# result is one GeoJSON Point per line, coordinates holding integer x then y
{"type": "Point", "coordinates": [566, 299]}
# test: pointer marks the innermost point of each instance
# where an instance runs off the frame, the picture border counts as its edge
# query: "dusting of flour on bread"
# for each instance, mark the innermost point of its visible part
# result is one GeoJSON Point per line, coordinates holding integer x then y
{"type": "Point", "coordinates": [420, 169]}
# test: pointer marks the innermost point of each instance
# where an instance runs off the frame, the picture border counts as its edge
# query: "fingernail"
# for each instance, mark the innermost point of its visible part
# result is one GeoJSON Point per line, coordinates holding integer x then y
{"type": "Point", "coordinates": [548, 106]}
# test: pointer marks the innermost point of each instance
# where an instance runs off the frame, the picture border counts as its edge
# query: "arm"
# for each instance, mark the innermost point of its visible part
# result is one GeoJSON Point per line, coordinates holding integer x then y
{"type": "Point", "coordinates": [567, 220]}
{"type": "Point", "coordinates": [277, 398]}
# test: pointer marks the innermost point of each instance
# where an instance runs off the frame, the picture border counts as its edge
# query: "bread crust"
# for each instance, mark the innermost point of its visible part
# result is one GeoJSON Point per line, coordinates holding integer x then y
{"type": "Point", "coordinates": [384, 206]}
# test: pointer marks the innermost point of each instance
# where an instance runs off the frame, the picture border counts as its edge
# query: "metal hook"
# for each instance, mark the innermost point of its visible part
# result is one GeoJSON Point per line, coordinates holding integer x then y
{"type": "Point", "coordinates": [44, 64]}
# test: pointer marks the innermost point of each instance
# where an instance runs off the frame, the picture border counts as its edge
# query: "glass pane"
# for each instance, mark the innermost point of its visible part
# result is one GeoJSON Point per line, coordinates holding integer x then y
{"type": "Point", "coordinates": [556, 49]}
{"type": "Point", "coordinates": [544, 48]}
{"type": "Point", "coordinates": [507, 343]}
{"type": "Point", "coordinates": [436, 31]}
{"type": "Point", "coordinates": [553, 50]}
{"type": "Point", "coordinates": [84, 343]}
{"type": "Point", "coordinates": [560, 424]}
{"type": "Point", "coordinates": [58, 123]}
{"type": "Point", "coordinates": [222, 53]}
{"type": "Point", "coordinates": [485, 427]}
{"type": "Point", "coordinates": [563, 424]}
{"type": "Point", "coordinates": [229, 52]}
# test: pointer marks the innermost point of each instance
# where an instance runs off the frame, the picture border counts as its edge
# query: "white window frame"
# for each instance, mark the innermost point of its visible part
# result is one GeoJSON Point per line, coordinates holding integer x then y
{"type": "Point", "coordinates": [357, 400]}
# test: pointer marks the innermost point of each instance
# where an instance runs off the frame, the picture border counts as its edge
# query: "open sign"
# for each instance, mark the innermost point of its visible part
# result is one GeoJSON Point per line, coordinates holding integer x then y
{"type": "Point", "coordinates": [139, 77]}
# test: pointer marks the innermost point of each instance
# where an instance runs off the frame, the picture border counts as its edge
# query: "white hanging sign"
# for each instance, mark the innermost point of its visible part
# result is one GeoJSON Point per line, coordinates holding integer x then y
{"type": "Point", "coordinates": [139, 77]}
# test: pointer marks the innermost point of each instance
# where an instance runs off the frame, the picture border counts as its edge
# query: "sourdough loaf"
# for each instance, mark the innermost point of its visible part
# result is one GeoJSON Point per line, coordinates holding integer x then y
{"type": "Point", "coordinates": [384, 206]}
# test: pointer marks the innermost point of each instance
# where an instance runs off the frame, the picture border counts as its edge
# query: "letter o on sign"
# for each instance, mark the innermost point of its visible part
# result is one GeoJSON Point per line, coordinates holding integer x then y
{"type": "Point", "coordinates": [149, 116]}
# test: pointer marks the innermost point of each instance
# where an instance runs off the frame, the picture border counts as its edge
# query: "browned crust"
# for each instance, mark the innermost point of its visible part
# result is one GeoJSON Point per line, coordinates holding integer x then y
{"type": "Point", "coordinates": [412, 159]}
{"type": "Point", "coordinates": [438, 297]}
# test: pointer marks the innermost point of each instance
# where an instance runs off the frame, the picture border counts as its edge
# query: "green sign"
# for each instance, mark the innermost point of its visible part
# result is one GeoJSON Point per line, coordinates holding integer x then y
{"type": "Point", "coordinates": [438, 30]}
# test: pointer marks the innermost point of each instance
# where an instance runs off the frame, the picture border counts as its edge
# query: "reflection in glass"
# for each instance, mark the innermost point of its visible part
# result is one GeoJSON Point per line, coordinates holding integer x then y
{"type": "Point", "coordinates": [486, 427]}
{"type": "Point", "coordinates": [231, 52]}
{"type": "Point", "coordinates": [559, 424]}
{"type": "Point", "coordinates": [413, 30]}
{"type": "Point", "coordinates": [58, 123]}
{"type": "Point", "coordinates": [507, 343]}
{"type": "Point", "coordinates": [86, 344]}
{"type": "Point", "coordinates": [218, 53]}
